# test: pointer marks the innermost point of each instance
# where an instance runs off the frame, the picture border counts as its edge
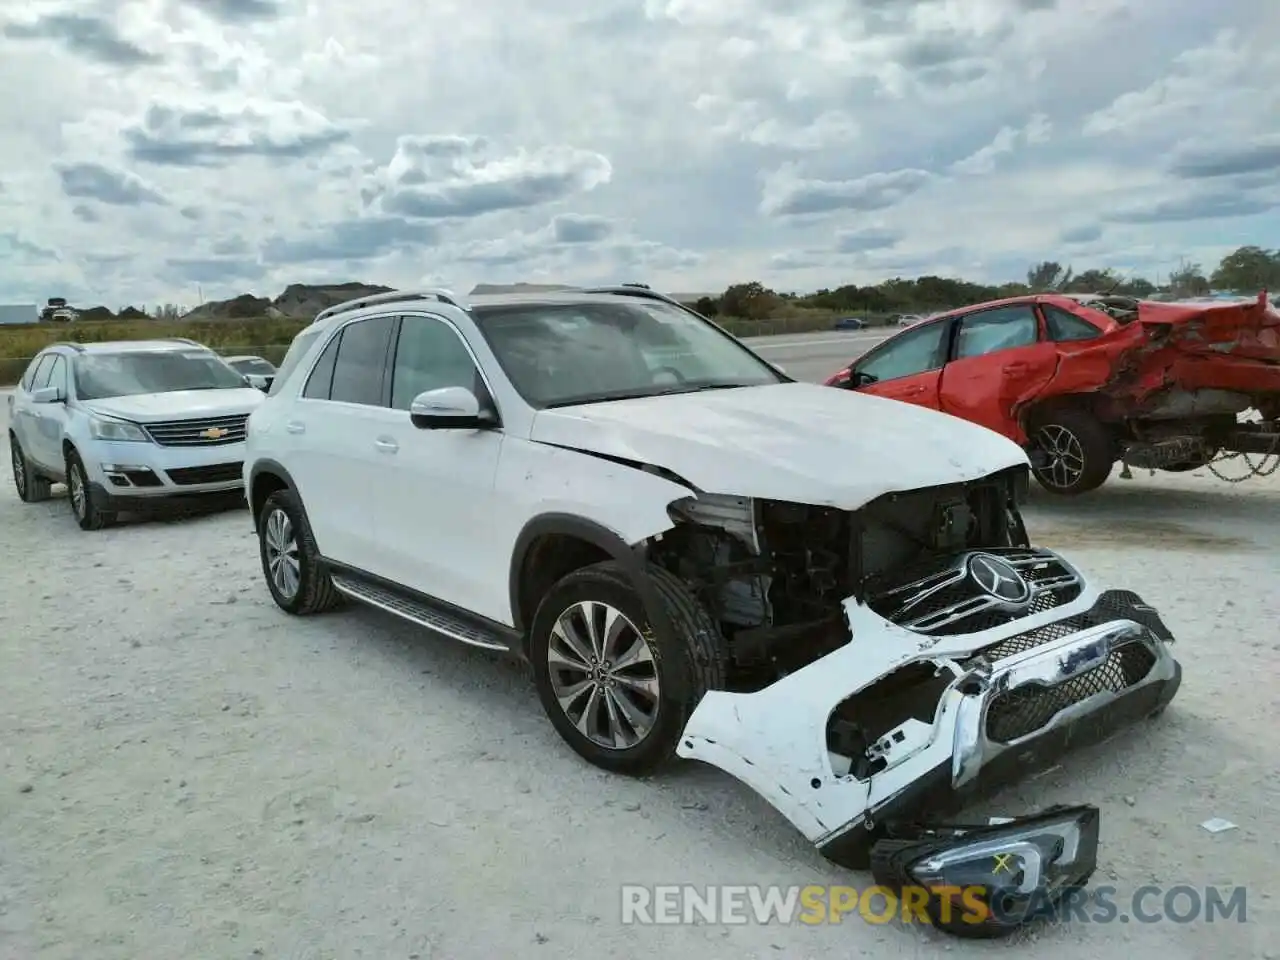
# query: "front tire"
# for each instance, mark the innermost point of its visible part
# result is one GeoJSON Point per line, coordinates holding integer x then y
{"type": "Point", "coordinates": [86, 505]}
{"type": "Point", "coordinates": [31, 487]}
{"type": "Point", "coordinates": [1080, 452]}
{"type": "Point", "coordinates": [291, 563]}
{"type": "Point", "coordinates": [618, 693]}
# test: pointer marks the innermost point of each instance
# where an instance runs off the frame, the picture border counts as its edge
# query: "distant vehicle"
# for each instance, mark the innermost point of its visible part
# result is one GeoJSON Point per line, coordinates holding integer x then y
{"type": "Point", "coordinates": [57, 311]}
{"type": "Point", "coordinates": [128, 424]}
{"type": "Point", "coordinates": [259, 372]}
{"type": "Point", "coordinates": [850, 323]}
{"type": "Point", "coordinates": [1083, 381]}
{"type": "Point", "coordinates": [909, 320]}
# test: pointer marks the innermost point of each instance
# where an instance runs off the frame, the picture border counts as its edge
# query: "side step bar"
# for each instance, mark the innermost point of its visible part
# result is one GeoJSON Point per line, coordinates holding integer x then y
{"type": "Point", "coordinates": [420, 611]}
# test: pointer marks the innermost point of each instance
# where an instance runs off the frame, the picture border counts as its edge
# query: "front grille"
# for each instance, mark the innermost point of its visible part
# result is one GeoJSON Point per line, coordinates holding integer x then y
{"type": "Point", "coordinates": [943, 600]}
{"type": "Point", "coordinates": [1021, 712]}
{"type": "Point", "coordinates": [213, 473]}
{"type": "Point", "coordinates": [205, 432]}
{"type": "Point", "coordinates": [1111, 605]}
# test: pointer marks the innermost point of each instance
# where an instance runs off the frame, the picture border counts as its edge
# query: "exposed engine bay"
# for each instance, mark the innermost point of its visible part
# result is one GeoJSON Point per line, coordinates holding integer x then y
{"type": "Point", "coordinates": [775, 574]}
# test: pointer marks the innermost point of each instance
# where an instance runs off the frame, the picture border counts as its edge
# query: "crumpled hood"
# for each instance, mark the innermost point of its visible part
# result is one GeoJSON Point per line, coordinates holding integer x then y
{"type": "Point", "coordinates": [791, 441]}
{"type": "Point", "coordinates": [178, 405]}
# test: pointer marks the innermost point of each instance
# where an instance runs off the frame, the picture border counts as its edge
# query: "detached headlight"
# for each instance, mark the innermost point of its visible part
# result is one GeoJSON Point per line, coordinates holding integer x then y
{"type": "Point", "coordinates": [101, 429]}
{"type": "Point", "coordinates": [987, 881]}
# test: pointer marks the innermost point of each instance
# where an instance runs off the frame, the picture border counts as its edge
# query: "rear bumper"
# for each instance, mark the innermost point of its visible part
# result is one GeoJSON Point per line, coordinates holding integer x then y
{"type": "Point", "coordinates": [1095, 678]}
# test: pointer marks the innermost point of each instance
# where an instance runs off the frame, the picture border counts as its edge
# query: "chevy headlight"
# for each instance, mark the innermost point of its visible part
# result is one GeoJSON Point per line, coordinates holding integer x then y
{"type": "Point", "coordinates": [987, 881]}
{"type": "Point", "coordinates": [101, 429]}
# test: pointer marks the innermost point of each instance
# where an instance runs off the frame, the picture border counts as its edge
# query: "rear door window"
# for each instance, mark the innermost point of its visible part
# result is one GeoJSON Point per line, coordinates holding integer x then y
{"type": "Point", "coordinates": [360, 369]}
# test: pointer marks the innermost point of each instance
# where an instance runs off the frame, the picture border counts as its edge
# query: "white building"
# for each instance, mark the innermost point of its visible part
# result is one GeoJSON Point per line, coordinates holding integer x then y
{"type": "Point", "coordinates": [19, 313]}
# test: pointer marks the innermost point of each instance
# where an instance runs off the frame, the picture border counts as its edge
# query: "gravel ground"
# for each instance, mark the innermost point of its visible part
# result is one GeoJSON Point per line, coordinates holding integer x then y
{"type": "Point", "coordinates": [188, 773]}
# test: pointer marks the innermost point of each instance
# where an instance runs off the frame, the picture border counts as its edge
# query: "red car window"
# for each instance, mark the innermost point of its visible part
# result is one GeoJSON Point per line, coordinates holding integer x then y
{"type": "Point", "coordinates": [1000, 329]}
{"type": "Point", "coordinates": [918, 351]}
{"type": "Point", "coordinates": [1064, 326]}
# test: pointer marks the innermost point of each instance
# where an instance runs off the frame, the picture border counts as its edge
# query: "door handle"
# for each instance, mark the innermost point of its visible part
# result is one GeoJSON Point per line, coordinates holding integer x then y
{"type": "Point", "coordinates": [912, 391]}
{"type": "Point", "coordinates": [386, 445]}
{"type": "Point", "coordinates": [295, 426]}
{"type": "Point", "coordinates": [1016, 368]}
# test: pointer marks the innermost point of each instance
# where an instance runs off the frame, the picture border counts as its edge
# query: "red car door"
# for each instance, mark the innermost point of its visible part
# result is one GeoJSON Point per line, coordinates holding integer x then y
{"type": "Point", "coordinates": [907, 367]}
{"type": "Point", "coordinates": [999, 359]}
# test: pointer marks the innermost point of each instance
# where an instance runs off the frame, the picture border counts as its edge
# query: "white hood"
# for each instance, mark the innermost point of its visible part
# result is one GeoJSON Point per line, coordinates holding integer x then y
{"type": "Point", "coordinates": [794, 441]}
{"type": "Point", "coordinates": [178, 405]}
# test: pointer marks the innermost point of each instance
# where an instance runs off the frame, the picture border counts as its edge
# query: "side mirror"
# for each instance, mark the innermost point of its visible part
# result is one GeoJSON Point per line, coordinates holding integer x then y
{"type": "Point", "coordinates": [859, 379]}
{"type": "Point", "coordinates": [449, 408]}
{"type": "Point", "coordinates": [780, 368]}
{"type": "Point", "coordinates": [47, 395]}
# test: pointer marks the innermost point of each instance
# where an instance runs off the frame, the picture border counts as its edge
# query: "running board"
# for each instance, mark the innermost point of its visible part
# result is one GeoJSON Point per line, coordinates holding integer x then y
{"type": "Point", "coordinates": [419, 611]}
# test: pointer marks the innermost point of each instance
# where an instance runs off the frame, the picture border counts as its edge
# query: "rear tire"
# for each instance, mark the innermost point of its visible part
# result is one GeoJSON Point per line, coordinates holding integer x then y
{"type": "Point", "coordinates": [621, 698]}
{"type": "Point", "coordinates": [291, 562]}
{"type": "Point", "coordinates": [31, 487]}
{"type": "Point", "coordinates": [86, 505]}
{"type": "Point", "coordinates": [1080, 452]}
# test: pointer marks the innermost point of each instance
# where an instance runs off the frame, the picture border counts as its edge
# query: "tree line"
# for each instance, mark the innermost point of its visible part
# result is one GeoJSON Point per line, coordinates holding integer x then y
{"type": "Point", "coordinates": [1246, 270]}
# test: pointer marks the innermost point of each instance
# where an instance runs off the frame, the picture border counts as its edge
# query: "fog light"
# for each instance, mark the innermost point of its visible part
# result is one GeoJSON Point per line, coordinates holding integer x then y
{"type": "Point", "coordinates": [986, 881]}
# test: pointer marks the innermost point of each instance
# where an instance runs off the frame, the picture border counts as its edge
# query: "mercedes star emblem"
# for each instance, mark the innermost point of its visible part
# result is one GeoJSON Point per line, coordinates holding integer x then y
{"type": "Point", "coordinates": [998, 578]}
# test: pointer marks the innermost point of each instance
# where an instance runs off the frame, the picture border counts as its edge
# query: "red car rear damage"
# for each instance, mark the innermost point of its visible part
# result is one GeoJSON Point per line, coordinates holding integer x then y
{"type": "Point", "coordinates": [1083, 382]}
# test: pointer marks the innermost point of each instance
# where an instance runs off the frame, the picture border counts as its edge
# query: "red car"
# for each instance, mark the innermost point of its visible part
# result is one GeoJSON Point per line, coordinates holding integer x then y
{"type": "Point", "coordinates": [1083, 382]}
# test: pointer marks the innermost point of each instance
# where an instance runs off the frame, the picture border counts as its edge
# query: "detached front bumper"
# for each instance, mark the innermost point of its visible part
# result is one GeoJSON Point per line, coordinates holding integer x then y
{"type": "Point", "coordinates": [1018, 698]}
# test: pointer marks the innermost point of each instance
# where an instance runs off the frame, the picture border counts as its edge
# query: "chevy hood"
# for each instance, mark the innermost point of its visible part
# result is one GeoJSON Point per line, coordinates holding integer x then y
{"type": "Point", "coordinates": [179, 405]}
{"type": "Point", "coordinates": [791, 441]}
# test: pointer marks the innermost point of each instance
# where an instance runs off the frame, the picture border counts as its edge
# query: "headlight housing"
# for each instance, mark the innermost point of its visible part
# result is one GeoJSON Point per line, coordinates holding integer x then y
{"type": "Point", "coordinates": [116, 430]}
{"type": "Point", "coordinates": [986, 881]}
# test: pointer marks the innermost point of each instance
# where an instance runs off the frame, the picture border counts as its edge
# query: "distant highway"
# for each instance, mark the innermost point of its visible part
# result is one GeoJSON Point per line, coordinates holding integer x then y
{"type": "Point", "coordinates": [815, 356]}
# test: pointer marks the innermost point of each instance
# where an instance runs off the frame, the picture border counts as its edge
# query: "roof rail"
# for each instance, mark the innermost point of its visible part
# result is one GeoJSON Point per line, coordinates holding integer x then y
{"type": "Point", "coordinates": [194, 343]}
{"type": "Point", "coordinates": [636, 290]}
{"type": "Point", "coordinates": [77, 347]}
{"type": "Point", "coordinates": [439, 294]}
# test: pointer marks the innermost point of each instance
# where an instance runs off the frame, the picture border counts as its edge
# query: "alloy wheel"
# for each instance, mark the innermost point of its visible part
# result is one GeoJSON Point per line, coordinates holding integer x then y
{"type": "Point", "coordinates": [604, 675]}
{"type": "Point", "coordinates": [19, 469]}
{"type": "Point", "coordinates": [281, 545]}
{"type": "Point", "coordinates": [1065, 453]}
{"type": "Point", "coordinates": [75, 481]}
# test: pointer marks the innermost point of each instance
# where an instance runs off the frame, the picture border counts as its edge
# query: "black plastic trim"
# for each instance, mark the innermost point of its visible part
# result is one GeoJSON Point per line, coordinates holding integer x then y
{"type": "Point", "coordinates": [276, 469]}
{"type": "Point", "coordinates": [632, 559]}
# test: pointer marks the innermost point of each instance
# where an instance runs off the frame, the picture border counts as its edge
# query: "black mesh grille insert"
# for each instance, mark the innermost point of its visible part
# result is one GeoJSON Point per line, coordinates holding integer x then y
{"type": "Point", "coordinates": [1020, 712]}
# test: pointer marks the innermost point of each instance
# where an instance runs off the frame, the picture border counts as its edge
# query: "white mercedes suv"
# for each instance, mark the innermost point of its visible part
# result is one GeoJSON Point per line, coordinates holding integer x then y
{"type": "Point", "coordinates": [128, 425]}
{"type": "Point", "coordinates": [829, 595]}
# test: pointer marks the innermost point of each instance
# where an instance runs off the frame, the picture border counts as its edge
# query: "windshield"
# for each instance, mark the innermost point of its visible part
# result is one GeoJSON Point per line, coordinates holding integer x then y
{"type": "Point", "coordinates": [253, 365]}
{"type": "Point", "coordinates": [102, 375]}
{"type": "Point", "coordinates": [558, 355]}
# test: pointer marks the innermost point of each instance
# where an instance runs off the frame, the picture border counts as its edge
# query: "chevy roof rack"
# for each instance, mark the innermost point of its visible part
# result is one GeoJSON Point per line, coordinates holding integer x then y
{"type": "Point", "coordinates": [439, 294]}
{"type": "Point", "coordinates": [77, 347]}
{"type": "Point", "coordinates": [194, 343]}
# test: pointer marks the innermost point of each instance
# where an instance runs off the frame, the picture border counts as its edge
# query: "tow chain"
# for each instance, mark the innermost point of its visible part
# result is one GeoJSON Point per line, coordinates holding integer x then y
{"type": "Point", "coordinates": [1260, 469]}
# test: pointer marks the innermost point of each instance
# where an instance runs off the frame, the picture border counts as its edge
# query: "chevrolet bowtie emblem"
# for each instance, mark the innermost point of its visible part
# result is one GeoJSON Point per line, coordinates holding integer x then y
{"type": "Point", "coordinates": [214, 433]}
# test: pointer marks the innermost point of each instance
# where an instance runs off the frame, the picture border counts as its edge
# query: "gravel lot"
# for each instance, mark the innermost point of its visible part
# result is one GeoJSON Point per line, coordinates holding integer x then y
{"type": "Point", "coordinates": [188, 773]}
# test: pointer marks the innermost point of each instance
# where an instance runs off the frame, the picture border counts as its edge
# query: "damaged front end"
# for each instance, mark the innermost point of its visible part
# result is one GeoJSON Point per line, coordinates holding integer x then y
{"type": "Point", "coordinates": [892, 663]}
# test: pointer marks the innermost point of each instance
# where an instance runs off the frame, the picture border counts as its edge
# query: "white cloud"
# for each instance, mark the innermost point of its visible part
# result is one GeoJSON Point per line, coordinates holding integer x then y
{"type": "Point", "coordinates": [152, 145]}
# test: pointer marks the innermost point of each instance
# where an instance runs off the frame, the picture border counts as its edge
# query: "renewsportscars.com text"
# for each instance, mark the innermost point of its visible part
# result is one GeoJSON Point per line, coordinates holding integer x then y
{"type": "Point", "coordinates": [816, 904]}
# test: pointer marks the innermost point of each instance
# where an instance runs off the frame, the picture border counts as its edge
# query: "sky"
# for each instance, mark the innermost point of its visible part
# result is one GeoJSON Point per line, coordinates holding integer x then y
{"type": "Point", "coordinates": [168, 151]}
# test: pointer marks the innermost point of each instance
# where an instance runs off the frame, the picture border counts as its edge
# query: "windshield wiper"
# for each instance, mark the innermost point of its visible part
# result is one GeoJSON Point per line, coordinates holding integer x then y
{"type": "Point", "coordinates": [673, 390]}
